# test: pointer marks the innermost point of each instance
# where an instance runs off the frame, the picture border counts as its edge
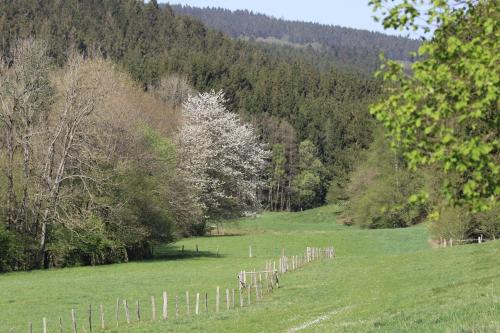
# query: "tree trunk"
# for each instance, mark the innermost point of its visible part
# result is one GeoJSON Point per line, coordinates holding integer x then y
{"type": "Point", "coordinates": [26, 177]}
{"type": "Point", "coordinates": [277, 196]}
{"type": "Point", "coordinates": [282, 200]}
{"type": "Point", "coordinates": [11, 196]}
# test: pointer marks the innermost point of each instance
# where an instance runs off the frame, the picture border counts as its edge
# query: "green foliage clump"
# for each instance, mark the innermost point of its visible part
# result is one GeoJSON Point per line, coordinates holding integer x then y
{"type": "Point", "coordinates": [88, 243]}
{"type": "Point", "coordinates": [379, 189]}
{"type": "Point", "coordinates": [460, 224]}
{"type": "Point", "coordinates": [308, 185]}
{"type": "Point", "coordinates": [444, 113]}
{"type": "Point", "coordinates": [8, 251]}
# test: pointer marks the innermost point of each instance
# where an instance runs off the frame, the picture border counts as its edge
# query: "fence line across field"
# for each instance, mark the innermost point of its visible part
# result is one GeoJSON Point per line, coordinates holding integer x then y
{"type": "Point", "coordinates": [443, 242]}
{"type": "Point", "coordinates": [259, 281]}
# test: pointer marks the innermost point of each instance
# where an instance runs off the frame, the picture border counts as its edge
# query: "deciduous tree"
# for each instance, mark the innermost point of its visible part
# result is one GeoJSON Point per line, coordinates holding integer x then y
{"type": "Point", "coordinates": [445, 111]}
{"type": "Point", "coordinates": [222, 155]}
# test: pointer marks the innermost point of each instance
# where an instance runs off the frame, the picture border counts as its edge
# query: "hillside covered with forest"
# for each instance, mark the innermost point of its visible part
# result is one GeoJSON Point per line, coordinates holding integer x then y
{"type": "Point", "coordinates": [127, 124]}
{"type": "Point", "coordinates": [349, 47]}
{"type": "Point", "coordinates": [313, 121]}
{"type": "Point", "coordinates": [262, 175]}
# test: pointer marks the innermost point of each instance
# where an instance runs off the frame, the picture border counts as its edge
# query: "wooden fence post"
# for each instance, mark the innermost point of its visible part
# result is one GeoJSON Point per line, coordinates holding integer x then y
{"type": "Point", "coordinates": [241, 298]}
{"type": "Point", "coordinates": [60, 325]}
{"type": "Point", "coordinates": [73, 320]}
{"type": "Point", "coordinates": [127, 313]}
{"type": "Point", "coordinates": [197, 308]}
{"type": "Point", "coordinates": [153, 308]}
{"type": "Point", "coordinates": [249, 295]}
{"type": "Point", "coordinates": [30, 327]}
{"type": "Point", "coordinates": [250, 251]}
{"type": "Point", "coordinates": [269, 280]}
{"type": "Point", "coordinates": [260, 282]}
{"type": "Point", "coordinates": [233, 300]}
{"type": "Point", "coordinates": [117, 310]}
{"type": "Point", "coordinates": [103, 325]}
{"type": "Point", "coordinates": [176, 306]}
{"type": "Point", "coordinates": [138, 309]}
{"type": "Point", "coordinates": [256, 292]}
{"type": "Point", "coordinates": [165, 305]}
{"type": "Point", "coordinates": [90, 317]}
{"type": "Point", "coordinates": [217, 296]}
{"type": "Point", "coordinates": [44, 320]}
{"type": "Point", "coordinates": [206, 302]}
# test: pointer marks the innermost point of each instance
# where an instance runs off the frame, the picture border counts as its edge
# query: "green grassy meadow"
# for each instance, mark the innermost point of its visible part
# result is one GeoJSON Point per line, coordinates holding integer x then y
{"type": "Point", "coordinates": [380, 281]}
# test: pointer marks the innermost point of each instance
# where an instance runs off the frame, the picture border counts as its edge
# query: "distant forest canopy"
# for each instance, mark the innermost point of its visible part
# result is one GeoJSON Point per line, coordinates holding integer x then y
{"type": "Point", "coordinates": [281, 91]}
{"type": "Point", "coordinates": [346, 45]}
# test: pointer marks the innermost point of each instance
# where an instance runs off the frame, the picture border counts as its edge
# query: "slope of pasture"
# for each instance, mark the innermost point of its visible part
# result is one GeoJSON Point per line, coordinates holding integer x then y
{"type": "Point", "coordinates": [381, 281]}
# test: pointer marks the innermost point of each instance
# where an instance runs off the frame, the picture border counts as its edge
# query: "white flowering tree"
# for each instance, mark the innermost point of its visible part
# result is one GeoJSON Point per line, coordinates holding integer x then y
{"type": "Point", "coordinates": [222, 156]}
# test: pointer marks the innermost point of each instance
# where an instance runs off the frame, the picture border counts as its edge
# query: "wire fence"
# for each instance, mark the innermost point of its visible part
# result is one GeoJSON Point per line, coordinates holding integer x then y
{"type": "Point", "coordinates": [252, 287]}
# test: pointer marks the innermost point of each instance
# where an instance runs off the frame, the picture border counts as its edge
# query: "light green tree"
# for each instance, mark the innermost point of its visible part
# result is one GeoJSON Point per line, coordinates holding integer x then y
{"type": "Point", "coordinates": [444, 112]}
{"type": "Point", "coordinates": [307, 184]}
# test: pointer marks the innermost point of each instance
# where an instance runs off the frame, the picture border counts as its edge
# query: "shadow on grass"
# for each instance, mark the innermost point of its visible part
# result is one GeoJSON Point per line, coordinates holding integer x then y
{"type": "Point", "coordinates": [225, 235]}
{"type": "Point", "coordinates": [176, 253]}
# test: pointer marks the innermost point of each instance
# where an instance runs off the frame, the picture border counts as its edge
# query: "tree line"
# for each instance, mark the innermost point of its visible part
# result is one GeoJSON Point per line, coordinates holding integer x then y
{"type": "Point", "coordinates": [96, 170]}
{"type": "Point", "coordinates": [289, 99]}
{"type": "Point", "coordinates": [108, 148]}
{"type": "Point", "coordinates": [349, 47]}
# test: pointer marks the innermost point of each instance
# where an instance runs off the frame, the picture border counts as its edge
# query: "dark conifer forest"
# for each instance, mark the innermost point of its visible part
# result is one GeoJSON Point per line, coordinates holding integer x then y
{"type": "Point", "coordinates": [349, 47]}
{"type": "Point", "coordinates": [287, 96]}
